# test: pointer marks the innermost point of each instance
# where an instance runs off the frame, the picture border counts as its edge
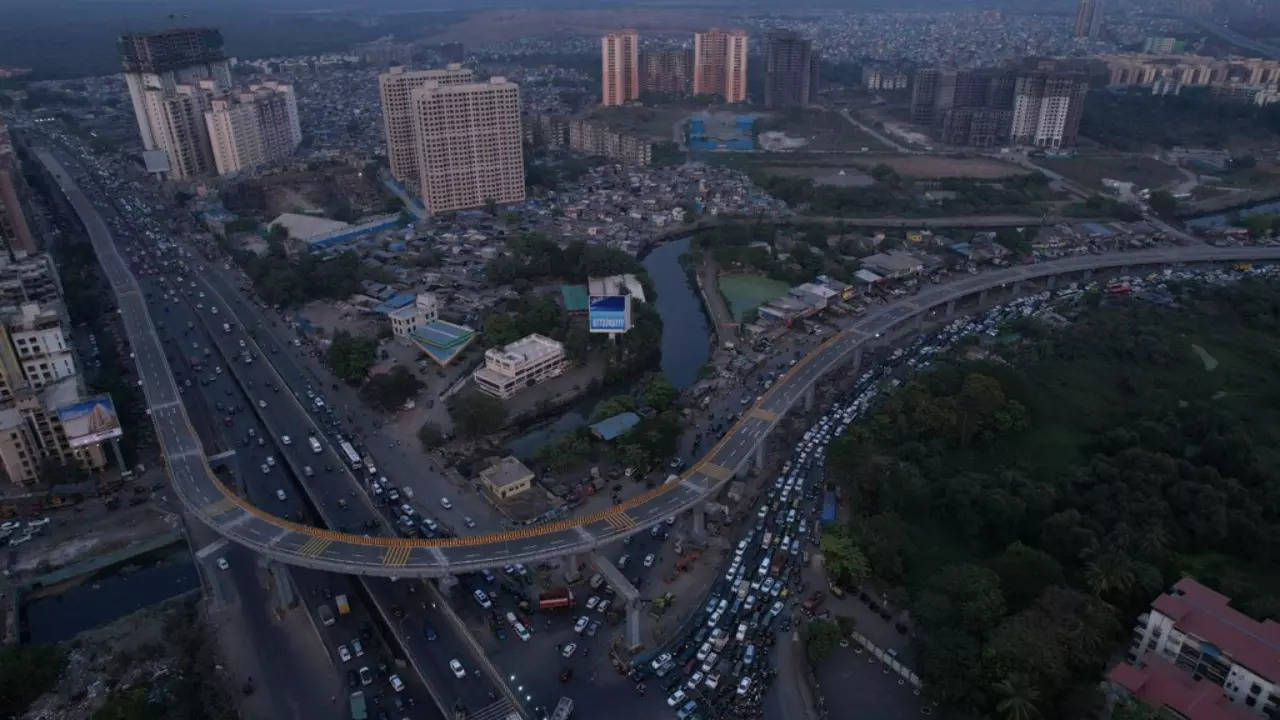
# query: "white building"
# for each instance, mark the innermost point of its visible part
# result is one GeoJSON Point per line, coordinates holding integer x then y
{"type": "Point", "coordinates": [38, 343]}
{"type": "Point", "coordinates": [424, 309]}
{"type": "Point", "coordinates": [395, 87]}
{"type": "Point", "coordinates": [254, 127]}
{"type": "Point", "coordinates": [524, 363]}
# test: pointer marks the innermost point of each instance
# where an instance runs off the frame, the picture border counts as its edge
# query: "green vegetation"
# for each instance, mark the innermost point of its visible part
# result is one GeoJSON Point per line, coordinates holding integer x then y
{"type": "Point", "coordinates": [351, 356]}
{"type": "Point", "coordinates": [532, 314]}
{"type": "Point", "coordinates": [281, 280]}
{"type": "Point", "coordinates": [893, 195]}
{"type": "Point", "coordinates": [388, 391]}
{"type": "Point", "coordinates": [533, 256]}
{"type": "Point", "coordinates": [1102, 206]}
{"type": "Point", "coordinates": [1030, 507]}
{"type": "Point", "coordinates": [821, 638]}
{"type": "Point", "coordinates": [430, 436]}
{"type": "Point", "coordinates": [645, 446]}
{"type": "Point", "coordinates": [476, 414]}
{"type": "Point", "coordinates": [1193, 118]}
{"type": "Point", "coordinates": [745, 293]}
{"type": "Point", "coordinates": [26, 673]}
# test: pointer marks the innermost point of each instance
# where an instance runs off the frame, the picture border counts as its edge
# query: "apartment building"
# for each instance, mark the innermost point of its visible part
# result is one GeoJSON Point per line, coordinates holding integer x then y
{"type": "Point", "coordinates": [720, 64]}
{"type": "Point", "coordinates": [878, 76]}
{"type": "Point", "coordinates": [39, 346]}
{"type": "Point", "coordinates": [791, 70]}
{"type": "Point", "coordinates": [668, 71]}
{"type": "Point", "coordinates": [521, 364]}
{"type": "Point", "coordinates": [15, 233]}
{"type": "Point", "coordinates": [1194, 656]}
{"type": "Point", "coordinates": [171, 76]}
{"type": "Point", "coordinates": [411, 318]}
{"type": "Point", "coordinates": [1048, 107]}
{"type": "Point", "coordinates": [1089, 18]}
{"type": "Point", "coordinates": [30, 279]}
{"type": "Point", "coordinates": [253, 128]}
{"type": "Point", "coordinates": [620, 65]}
{"type": "Point", "coordinates": [468, 139]}
{"type": "Point", "coordinates": [395, 88]}
{"type": "Point", "coordinates": [596, 138]}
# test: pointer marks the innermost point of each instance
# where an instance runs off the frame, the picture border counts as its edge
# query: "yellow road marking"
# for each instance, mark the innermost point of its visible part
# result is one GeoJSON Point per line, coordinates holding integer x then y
{"type": "Point", "coordinates": [718, 472]}
{"type": "Point", "coordinates": [621, 521]}
{"type": "Point", "coordinates": [766, 415]}
{"type": "Point", "coordinates": [315, 546]}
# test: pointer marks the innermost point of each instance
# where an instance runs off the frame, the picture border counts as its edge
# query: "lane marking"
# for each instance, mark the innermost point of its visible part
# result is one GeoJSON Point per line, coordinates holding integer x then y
{"type": "Point", "coordinates": [718, 472]}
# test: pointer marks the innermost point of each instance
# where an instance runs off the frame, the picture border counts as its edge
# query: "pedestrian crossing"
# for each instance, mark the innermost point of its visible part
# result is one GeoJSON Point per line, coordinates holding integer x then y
{"type": "Point", "coordinates": [315, 546]}
{"type": "Point", "coordinates": [397, 555]}
{"type": "Point", "coordinates": [620, 521]}
{"type": "Point", "coordinates": [716, 471]}
{"type": "Point", "coordinates": [500, 710]}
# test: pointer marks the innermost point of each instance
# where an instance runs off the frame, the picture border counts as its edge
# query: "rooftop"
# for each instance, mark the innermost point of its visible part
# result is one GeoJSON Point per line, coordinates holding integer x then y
{"type": "Point", "coordinates": [574, 298]}
{"type": "Point", "coordinates": [305, 227]}
{"type": "Point", "coordinates": [528, 349]}
{"type": "Point", "coordinates": [1159, 683]}
{"type": "Point", "coordinates": [1206, 614]}
{"type": "Point", "coordinates": [506, 471]}
{"type": "Point", "coordinates": [612, 427]}
{"type": "Point", "coordinates": [442, 341]}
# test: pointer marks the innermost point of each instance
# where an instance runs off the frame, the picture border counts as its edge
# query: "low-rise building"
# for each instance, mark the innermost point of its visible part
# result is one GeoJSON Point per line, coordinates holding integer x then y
{"type": "Point", "coordinates": [521, 364]}
{"type": "Point", "coordinates": [1195, 655]}
{"type": "Point", "coordinates": [507, 477]}
{"type": "Point", "coordinates": [34, 334]}
{"type": "Point", "coordinates": [412, 317]}
{"type": "Point", "coordinates": [893, 264]}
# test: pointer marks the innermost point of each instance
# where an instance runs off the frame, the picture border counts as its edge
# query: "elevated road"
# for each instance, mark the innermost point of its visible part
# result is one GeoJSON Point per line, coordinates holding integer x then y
{"type": "Point", "coordinates": [241, 522]}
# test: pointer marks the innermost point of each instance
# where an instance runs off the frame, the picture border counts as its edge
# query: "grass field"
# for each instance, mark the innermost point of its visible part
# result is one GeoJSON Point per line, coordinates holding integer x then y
{"type": "Point", "coordinates": [745, 293]}
{"type": "Point", "coordinates": [1089, 171]}
{"type": "Point", "coordinates": [922, 167]}
{"type": "Point", "coordinates": [823, 129]}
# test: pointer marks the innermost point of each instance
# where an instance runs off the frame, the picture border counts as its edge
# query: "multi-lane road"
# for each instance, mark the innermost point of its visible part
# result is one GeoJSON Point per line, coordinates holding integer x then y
{"type": "Point", "coordinates": [351, 552]}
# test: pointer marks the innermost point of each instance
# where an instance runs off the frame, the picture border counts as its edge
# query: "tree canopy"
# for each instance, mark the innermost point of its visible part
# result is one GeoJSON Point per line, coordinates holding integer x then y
{"type": "Point", "coordinates": [351, 356]}
{"type": "Point", "coordinates": [476, 414]}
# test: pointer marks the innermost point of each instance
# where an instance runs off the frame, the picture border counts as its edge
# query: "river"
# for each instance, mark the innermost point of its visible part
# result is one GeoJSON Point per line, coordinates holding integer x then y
{"type": "Point", "coordinates": [685, 345]}
{"type": "Point", "coordinates": [1223, 218]}
{"type": "Point", "coordinates": [111, 594]}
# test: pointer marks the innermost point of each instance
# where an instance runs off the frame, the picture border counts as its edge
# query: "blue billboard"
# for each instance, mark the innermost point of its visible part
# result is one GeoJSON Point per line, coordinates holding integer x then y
{"type": "Point", "coordinates": [609, 313]}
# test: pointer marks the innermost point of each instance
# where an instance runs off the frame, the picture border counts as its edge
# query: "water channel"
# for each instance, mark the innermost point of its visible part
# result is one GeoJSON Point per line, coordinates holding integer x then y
{"type": "Point", "coordinates": [1221, 219]}
{"type": "Point", "coordinates": [685, 345]}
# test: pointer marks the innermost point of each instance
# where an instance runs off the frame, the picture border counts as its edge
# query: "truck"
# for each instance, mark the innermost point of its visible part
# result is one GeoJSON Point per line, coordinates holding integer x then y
{"type": "Point", "coordinates": [358, 710]}
{"type": "Point", "coordinates": [779, 559]}
{"type": "Point", "coordinates": [350, 454]}
{"type": "Point", "coordinates": [326, 615]}
{"type": "Point", "coordinates": [344, 607]}
{"type": "Point", "coordinates": [553, 599]}
{"type": "Point", "coordinates": [563, 710]}
{"type": "Point", "coordinates": [314, 443]}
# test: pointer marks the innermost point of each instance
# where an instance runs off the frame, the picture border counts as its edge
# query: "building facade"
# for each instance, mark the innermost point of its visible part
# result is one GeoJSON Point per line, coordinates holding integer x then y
{"type": "Point", "coordinates": [28, 279]}
{"type": "Point", "coordinates": [469, 144]}
{"type": "Point", "coordinates": [620, 67]}
{"type": "Point", "coordinates": [395, 88]}
{"type": "Point", "coordinates": [253, 128]}
{"type": "Point", "coordinates": [521, 364]}
{"type": "Point", "coordinates": [791, 70]}
{"type": "Point", "coordinates": [171, 75]}
{"type": "Point", "coordinates": [15, 233]}
{"type": "Point", "coordinates": [410, 318]}
{"type": "Point", "coordinates": [1089, 18]}
{"type": "Point", "coordinates": [1195, 655]}
{"type": "Point", "coordinates": [720, 64]}
{"type": "Point", "coordinates": [596, 138]}
{"type": "Point", "coordinates": [40, 349]}
{"type": "Point", "coordinates": [667, 71]}
{"type": "Point", "coordinates": [1048, 107]}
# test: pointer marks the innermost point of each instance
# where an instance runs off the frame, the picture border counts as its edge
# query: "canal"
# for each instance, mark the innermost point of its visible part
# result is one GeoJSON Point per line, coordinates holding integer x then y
{"type": "Point", "coordinates": [1271, 207]}
{"type": "Point", "coordinates": [686, 345]}
{"type": "Point", "coordinates": [60, 613]}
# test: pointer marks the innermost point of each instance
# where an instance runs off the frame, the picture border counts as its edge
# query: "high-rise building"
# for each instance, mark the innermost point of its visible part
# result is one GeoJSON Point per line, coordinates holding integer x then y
{"type": "Point", "coordinates": [253, 128]}
{"type": "Point", "coordinates": [932, 94]}
{"type": "Point", "coordinates": [668, 71]}
{"type": "Point", "coordinates": [620, 65]}
{"type": "Point", "coordinates": [171, 76]}
{"type": "Point", "coordinates": [468, 140]}
{"type": "Point", "coordinates": [395, 88]}
{"type": "Point", "coordinates": [15, 233]}
{"type": "Point", "coordinates": [1048, 107]}
{"type": "Point", "coordinates": [791, 70]}
{"type": "Point", "coordinates": [720, 64]}
{"type": "Point", "coordinates": [1089, 18]}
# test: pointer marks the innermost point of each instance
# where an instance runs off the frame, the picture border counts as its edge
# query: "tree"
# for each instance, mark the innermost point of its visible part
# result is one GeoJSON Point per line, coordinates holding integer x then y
{"type": "Point", "coordinates": [1018, 698]}
{"type": "Point", "coordinates": [129, 704]}
{"type": "Point", "coordinates": [1110, 574]}
{"type": "Point", "coordinates": [1163, 202]}
{"type": "Point", "coordinates": [429, 436]}
{"type": "Point", "coordinates": [611, 406]}
{"type": "Point", "coordinates": [351, 357]}
{"type": "Point", "coordinates": [821, 638]}
{"type": "Point", "coordinates": [965, 595]}
{"type": "Point", "coordinates": [659, 394]}
{"type": "Point", "coordinates": [26, 673]}
{"type": "Point", "coordinates": [844, 560]}
{"type": "Point", "coordinates": [476, 414]}
{"type": "Point", "coordinates": [1025, 572]}
{"type": "Point", "coordinates": [388, 391]}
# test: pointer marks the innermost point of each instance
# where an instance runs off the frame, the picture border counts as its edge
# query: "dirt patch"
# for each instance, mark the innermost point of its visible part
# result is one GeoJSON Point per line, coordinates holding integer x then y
{"type": "Point", "coordinates": [335, 190]}
{"type": "Point", "coordinates": [929, 166]}
{"type": "Point", "coordinates": [833, 176]}
{"type": "Point", "coordinates": [1090, 170]}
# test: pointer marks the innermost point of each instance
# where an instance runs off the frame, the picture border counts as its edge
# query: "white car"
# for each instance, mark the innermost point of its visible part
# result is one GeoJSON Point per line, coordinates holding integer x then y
{"type": "Point", "coordinates": [271, 461]}
{"type": "Point", "coordinates": [581, 625]}
{"type": "Point", "coordinates": [482, 599]}
{"type": "Point", "coordinates": [592, 602]}
{"type": "Point", "coordinates": [223, 564]}
{"type": "Point", "coordinates": [603, 606]}
{"type": "Point", "coordinates": [676, 698]}
{"type": "Point", "coordinates": [444, 503]}
{"type": "Point", "coordinates": [457, 669]}
{"type": "Point", "coordinates": [281, 496]}
{"type": "Point", "coordinates": [286, 440]}
{"type": "Point", "coordinates": [569, 650]}
{"type": "Point", "coordinates": [744, 685]}
{"type": "Point", "coordinates": [396, 683]}
{"type": "Point", "coordinates": [648, 560]}
{"type": "Point", "coordinates": [344, 654]}
{"type": "Point", "coordinates": [262, 404]}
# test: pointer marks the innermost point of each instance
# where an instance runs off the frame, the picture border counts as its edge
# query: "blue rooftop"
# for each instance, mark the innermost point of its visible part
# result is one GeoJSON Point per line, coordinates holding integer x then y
{"type": "Point", "coordinates": [442, 341]}
{"type": "Point", "coordinates": [610, 428]}
{"type": "Point", "coordinates": [395, 302]}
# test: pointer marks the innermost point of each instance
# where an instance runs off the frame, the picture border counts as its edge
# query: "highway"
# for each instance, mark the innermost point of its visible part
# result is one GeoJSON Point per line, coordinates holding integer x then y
{"type": "Point", "coordinates": [350, 552]}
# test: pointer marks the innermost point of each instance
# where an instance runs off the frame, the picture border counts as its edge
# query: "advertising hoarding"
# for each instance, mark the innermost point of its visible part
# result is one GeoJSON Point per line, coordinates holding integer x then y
{"type": "Point", "coordinates": [609, 313]}
{"type": "Point", "coordinates": [90, 421]}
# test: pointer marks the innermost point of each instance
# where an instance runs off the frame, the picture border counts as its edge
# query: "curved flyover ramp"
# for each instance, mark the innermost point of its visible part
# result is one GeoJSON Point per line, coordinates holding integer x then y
{"type": "Point", "coordinates": [289, 542]}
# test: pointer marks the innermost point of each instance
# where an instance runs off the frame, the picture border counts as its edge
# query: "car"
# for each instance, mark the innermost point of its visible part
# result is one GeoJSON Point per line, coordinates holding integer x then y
{"type": "Point", "coordinates": [444, 503]}
{"type": "Point", "coordinates": [285, 439]}
{"type": "Point", "coordinates": [429, 633]}
{"type": "Point", "coordinates": [271, 460]}
{"type": "Point", "coordinates": [581, 625]}
{"type": "Point", "coordinates": [592, 602]}
{"type": "Point", "coordinates": [262, 404]}
{"type": "Point", "coordinates": [603, 606]}
{"type": "Point", "coordinates": [366, 677]}
{"type": "Point", "coordinates": [482, 599]}
{"type": "Point", "coordinates": [661, 660]}
{"type": "Point", "coordinates": [676, 698]}
{"type": "Point", "coordinates": [357, 646]}
{"type": "Point", "coordinates": [281, 496]}
{"type": "Point", "coordinates": [466, 520]}
{"type": "Point", "coordinates": [223, 564]}
{"type": "Point", "coordinates": [568, 650]}
{"type": "Point", "coordinates": [396, 683]}
{"type": "Point", "coordinates": [265, 468]}
{"type": "Point", "coordinates": [344, 654]}
{"type": "Point", "coordinates": [648, 560]}
{"type": "Point", "coordinates": [593, 628]}
{"type": "Point", "coordinates": [695, 679]}
{"type": "Point", "coordinates": [457, 669]}
{"type": "Point", "coordinates": [689, 709]}
{"type": "Point", "coordinates": [744, 685]}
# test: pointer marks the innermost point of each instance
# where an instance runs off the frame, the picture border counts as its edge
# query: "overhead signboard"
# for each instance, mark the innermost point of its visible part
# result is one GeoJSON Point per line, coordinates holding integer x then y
{"type": "Point", "coordinates": [609, 313]}
{"type": "Point", "coordinates": [90, 421]}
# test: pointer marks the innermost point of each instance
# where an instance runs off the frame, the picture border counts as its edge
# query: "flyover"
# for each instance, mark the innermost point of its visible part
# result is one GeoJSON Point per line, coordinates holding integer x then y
{"type": "Point", "coordinates": [241, 522]}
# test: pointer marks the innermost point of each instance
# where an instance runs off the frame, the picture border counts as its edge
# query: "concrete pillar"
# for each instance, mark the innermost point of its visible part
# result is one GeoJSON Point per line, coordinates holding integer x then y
{"type": "Point", "coordinates": [699, 517]}
{"type": "Point", "coordinates": [919, 323]}
{"type": "Point", "coordinates": [115, 449]}
{"type": "Point", "coordinates": [1017, 287]}
{"type": "Point", "coordinates": [982, 298]}
{"type": "Point", "coordinates": [446, 583]}
{"type": "Point", "coordinates": [571, 572]}
{"type": "Point", "coordinates": [857, 358]}
{"type": "Point", "coordinates": [282, 583]}
{"type": "Point", "coordinates": [760, 453]}
{"type": "Point", "coordinates": [1087, 274]}
{"type": "Point", "coordinates": [1051, 281]}
{"type": "Point", "coordinates": [808, 398]}
{"type": "Point", "coordinates": [633, 626]}
{"type": "Point", "coordinates": [951, 308]}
